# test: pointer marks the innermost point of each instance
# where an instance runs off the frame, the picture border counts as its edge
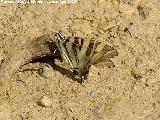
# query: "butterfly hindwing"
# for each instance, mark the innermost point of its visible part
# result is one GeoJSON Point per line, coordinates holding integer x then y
{"type": "Point", "coordinates": [102, 57]}
{"type": "Point", "coordinates": [109, 51]}
{"type": "Point", "coordinates": [103, 62]}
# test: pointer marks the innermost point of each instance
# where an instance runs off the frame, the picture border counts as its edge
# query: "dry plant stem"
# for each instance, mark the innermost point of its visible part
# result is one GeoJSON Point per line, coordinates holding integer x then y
{"type": "Point", "coordinates": [36, 48]}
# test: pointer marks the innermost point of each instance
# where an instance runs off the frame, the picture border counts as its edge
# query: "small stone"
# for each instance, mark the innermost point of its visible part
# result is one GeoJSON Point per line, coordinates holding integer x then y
{"type": "Point", "coordinates": [44, 101]}
{"type": "Point", "coordinates": [136, 76]}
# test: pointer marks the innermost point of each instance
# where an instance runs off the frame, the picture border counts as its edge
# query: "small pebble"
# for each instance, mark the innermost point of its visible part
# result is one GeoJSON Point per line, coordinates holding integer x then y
{"type": "Point", "coordinates": [44, 101]}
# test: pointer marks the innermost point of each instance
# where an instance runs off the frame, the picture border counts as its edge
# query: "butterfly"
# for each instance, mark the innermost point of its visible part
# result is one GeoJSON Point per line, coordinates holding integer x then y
{"type": "Point", "coordinates": [81, 53]}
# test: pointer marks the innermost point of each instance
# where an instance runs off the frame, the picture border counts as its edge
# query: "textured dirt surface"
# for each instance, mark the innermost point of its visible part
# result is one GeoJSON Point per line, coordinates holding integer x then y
{"type": "Point", "coordinates": [129, 91]}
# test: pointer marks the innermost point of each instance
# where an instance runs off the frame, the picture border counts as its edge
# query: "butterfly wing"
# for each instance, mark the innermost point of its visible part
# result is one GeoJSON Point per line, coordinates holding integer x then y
{"type": "Point", "coordinates": [109, 51]}
{"type": "Point", "coordinates": [102, 61]}
{"type": "Point", "coordinates": [71, 52]}
{"type": "Point", "coordinates": [102, 58]}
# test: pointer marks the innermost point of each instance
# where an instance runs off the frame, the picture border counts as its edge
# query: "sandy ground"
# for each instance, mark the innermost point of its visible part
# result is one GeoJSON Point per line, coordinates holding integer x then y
{"type": "Point", "coordinates": [129, 91]}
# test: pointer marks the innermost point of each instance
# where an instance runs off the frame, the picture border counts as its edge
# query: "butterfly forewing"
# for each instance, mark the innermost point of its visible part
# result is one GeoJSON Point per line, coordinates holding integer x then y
{"type": "Point", "coordinates": [71, 53]}
{"type": "Point", "coordinates": [90, 48]}
{"type": "Point", "coordinates": [85, 46]}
